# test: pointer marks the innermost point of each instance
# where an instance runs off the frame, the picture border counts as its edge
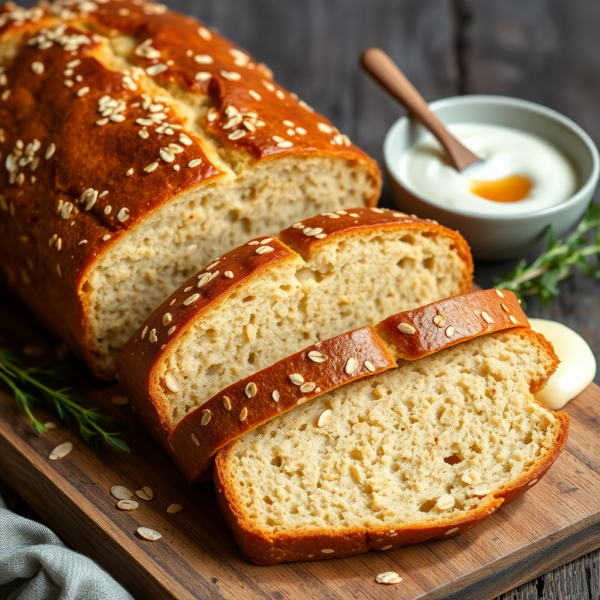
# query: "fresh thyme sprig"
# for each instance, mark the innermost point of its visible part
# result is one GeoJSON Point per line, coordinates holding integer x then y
{"type": "Point", "coordinates": [557, 262]}
{"type": "Point", "coordinates": [31, 387]}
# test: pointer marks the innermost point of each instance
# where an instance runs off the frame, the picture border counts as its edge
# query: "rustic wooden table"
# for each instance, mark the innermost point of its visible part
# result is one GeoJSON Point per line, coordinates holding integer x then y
{"type": "Point", "coordinates": [547, 51]}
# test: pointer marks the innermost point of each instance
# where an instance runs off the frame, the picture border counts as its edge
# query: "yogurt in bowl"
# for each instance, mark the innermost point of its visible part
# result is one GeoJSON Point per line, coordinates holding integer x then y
{"type": "Point", "coordinates": [519, 172]}
{"type": "Point", "coordinates": [539, 168]}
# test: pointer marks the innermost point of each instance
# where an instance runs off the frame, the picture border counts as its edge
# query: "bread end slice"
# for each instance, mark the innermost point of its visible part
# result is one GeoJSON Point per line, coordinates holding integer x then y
{"type": "Point", "coordinates": [400, 460]}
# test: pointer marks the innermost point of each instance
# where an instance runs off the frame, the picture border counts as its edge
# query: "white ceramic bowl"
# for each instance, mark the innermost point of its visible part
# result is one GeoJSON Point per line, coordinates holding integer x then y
{"type": "Point", "coordinates": [497, 237]}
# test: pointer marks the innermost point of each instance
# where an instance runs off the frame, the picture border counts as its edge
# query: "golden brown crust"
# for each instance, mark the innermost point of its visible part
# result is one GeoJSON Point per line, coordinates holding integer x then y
{"type": "Point", "coordinates": [416, 333]}
{"type": "Point", "coordinates": [64, 141]}
{"type": "Point", "coordinates": [180, 51]}
{"type": "Point", "coordinates": [138, 360]}
{"type": "Point", "coordinates": [233, 74]}
{"type": "Point", "coordinates": [264, 549]}
{"type": "Point", "coordinates": [272, 391]}
{"type": "Point", "coordinates": [310, 234]}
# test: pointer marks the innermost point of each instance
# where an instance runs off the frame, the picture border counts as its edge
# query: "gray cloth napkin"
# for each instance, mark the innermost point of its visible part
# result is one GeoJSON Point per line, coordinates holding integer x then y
{"type": "Point", "coordinates": [34, 565]}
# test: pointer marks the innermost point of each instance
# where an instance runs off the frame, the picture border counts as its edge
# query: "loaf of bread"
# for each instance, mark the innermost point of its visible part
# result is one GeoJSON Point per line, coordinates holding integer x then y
{"type": "Point", "coordinates": [138, 144]}
{"type": "Point", "coordinates": [270, 297]}
{"type": "Point", "coordinates": [424, 451]}
{"type": "Point", "coordinates": [328, 364]}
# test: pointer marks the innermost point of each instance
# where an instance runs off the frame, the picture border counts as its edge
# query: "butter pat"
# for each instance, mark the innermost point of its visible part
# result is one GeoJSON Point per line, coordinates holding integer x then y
{"type": "Point", "coordinates": [577, 366]}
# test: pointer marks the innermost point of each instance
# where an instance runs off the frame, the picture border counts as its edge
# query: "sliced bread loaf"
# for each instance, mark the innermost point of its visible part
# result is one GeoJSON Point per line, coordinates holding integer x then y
{"type": "Point", "coordinates": [263, 301]}
{"type": "Point", "coordinates": [326, 365]}
{"type": "Point", "coordinates": [423, 451]}
{"type": "Point", "coordinates": [136, 145]}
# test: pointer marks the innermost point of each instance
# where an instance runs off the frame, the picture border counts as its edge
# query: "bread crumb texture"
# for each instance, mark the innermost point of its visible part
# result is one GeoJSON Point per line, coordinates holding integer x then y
{"type": "Point", "coordinates": [356, 280]}
{"type": "Point", "coordinates": [146, 266]}
{"type": "Point", "coordinates": [430, 439]}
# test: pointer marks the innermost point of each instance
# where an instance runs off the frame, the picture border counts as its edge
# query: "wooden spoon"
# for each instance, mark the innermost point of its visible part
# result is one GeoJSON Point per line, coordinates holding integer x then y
{"type": "Point", "coordinates": [381, 67]}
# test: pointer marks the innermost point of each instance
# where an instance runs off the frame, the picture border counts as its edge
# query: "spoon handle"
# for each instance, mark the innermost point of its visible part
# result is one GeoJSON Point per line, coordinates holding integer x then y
{"type": "Point", "coordinates": [381, 67]}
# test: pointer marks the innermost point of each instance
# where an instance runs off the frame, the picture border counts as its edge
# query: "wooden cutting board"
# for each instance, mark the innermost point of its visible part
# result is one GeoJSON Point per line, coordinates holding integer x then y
{"type": "Point", "coordinates": [554, 523]}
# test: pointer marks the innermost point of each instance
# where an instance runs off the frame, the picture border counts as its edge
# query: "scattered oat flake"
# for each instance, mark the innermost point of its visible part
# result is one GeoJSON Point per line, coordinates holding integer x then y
{"type": "Point", "coordinates": [486, 317]}
{"type": "Point", "coordinates": [324, 417]}
{"type": "Point", "coordinates": [145, 493]}
{"type": "Point", "coordinates": [204, 33]}
{"type": "Point", "coordinates": [127, 504]}
{"type": "Point", "coordinates": [310, 231]}
{"type": "Point", "coordinates": [50, 425]}
{"type": "Point", "coordinates": [388, 578]}
{"type": "Point", "coordinates": [157, 69]}
{"type": "Point", "coordinates": [61, 451]}
{"type": "Point", "coordinates": [121, 492]}
{"type": "Point", "coordinates": [191, 299]}
{"type": "Point", "coordinates": [148, 534]}
{"type": "Point", "coordinates": [406, 328]}
{"type": "Point", "coordinates": [317, 356]}
{"type": "Point", "coordinates": [171, 382]}
{"type": "Point", "coordinates": [351, 366]}
{"type": "Point", "coordinates": [231, 75]}
{"type": "Point", "coordinates": [174, 508]}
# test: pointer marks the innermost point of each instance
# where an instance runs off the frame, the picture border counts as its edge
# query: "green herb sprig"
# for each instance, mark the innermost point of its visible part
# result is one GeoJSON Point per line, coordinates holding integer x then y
{"type": "Point", "coordinates": [31, 387]}
{"type": "Point", "coordinates": [557, 262]}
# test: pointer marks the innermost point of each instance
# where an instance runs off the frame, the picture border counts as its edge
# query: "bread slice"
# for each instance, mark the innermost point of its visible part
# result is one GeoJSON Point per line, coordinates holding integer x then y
{"type": "Point", "coordinates": [263, 301]}
{"type": "Point", "coordinates": [326, 365]}
{"type": "Point", "coordinates": [143, 145]}
{"type": "Point", "coordinates": [423, 451]}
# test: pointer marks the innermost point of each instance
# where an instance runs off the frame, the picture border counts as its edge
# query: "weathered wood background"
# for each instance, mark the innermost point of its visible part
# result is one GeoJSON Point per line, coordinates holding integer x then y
{"type": "Point", "coordinates": [547, 51]}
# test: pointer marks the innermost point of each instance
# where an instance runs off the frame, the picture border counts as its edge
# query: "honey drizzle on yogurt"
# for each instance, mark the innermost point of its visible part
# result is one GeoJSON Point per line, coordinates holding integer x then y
{"type": "Point", "coordinates": [508, 189]}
